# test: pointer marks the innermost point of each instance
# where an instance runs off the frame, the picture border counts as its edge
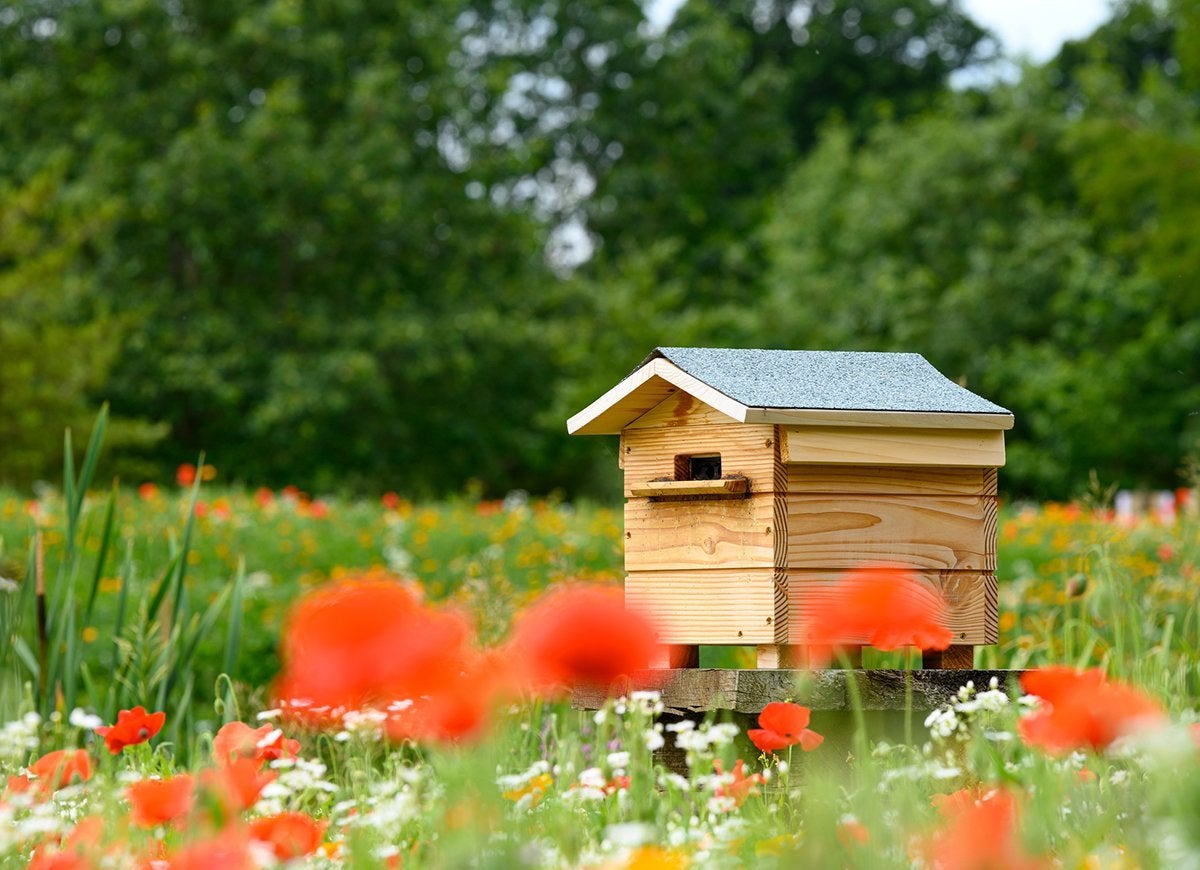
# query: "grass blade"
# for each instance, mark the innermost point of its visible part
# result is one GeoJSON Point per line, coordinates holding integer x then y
{"type": "Point", "coordinates": [233, 638]}
{"type": "Point", "coordinates": [102, 557]}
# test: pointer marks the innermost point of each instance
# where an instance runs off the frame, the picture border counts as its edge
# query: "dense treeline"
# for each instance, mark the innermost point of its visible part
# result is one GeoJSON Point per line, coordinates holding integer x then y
{"type": "Point", "coordinates": [369, 244]}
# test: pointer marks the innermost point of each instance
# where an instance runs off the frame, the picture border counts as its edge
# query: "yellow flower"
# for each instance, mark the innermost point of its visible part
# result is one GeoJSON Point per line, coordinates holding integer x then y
{"type": "Point", "coordinates": [90, 634]}
{"type": "Point", "coordinates": [536, 788]}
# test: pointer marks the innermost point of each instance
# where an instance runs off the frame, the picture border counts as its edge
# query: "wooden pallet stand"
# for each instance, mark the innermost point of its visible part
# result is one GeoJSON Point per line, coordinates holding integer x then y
{"type": "Point", "coordinates": [754, 479]}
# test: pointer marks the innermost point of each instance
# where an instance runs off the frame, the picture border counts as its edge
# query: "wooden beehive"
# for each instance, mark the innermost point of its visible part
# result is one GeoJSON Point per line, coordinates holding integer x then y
{"type": "Point", "coordinates": [755, 478]}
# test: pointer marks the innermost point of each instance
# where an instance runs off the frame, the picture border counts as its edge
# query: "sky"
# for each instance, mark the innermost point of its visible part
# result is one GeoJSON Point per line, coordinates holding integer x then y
{"type": "Point", "coordinates": [1029, 29]}
{"type": "Point", "coordinates": [1034, 29]}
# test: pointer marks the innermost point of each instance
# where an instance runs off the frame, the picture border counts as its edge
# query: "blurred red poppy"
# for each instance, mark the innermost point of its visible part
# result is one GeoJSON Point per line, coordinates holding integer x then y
{"type": "Point", "coordinates": [784, 724]}
{"type": "Point", "coordinates": [741, 786]}
{"type": "Point", "coordinates": [581, 636]}
{"type": "Point", "coordinates": [185, 474]}
{"type": "Point", "coordinates": [290, 835]}
{"type": "Point", "coordinates": [147, 491]}
{"type": "Point", "coordinates": [885, 607]}
{"type": "Point", "coordinates": [132, 727]}
{"type": "Point", "coordinates": [229, 850]}
{"type": "Point", "coordinates": [266, 743]}
{"type": "Point", "coordinates": [1083, 710]}
{"type": "Point", "coordinates": [356, 643]}
{"type": "Point", "coordinates": [982, 835]}
{"type": "Point", "coordinates": [238, 784]}
{"type": "Point", "coordinates": [79, 849]}
{"type": "Point", "coordinates": [57, 769]}
{"type": "Point", "coordinates": [158, 801]}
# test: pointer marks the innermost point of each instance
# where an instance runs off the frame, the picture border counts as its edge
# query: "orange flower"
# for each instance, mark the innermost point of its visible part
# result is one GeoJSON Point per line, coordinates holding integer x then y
{"type": "Point", "coordinates": [884, 607]}
{"type": "Point", "coordinates": [850, 831]}
{"type": "Point", "coordinates": [290, 835]}
{"type": "Point", "coordinates": [356, 643]}
{"type": "Point", "coordinates": [1083, 710]}
{"type": "Point", "coordinates": [132, 727]}
{"type": "Point", "coordinates": [185, 474]}
{"type": "Point", "coordinates": [147, 491]}
{"type": "Point", "coordinates": [238, 740]}
{"type": "Point", "coordinates": [390, 500]}
{"type": "Point", "coordinates": [56, 769]}
{"type": "Point", "coordinates": [263, 497]}
{"type": "Point", "coordinates": [237, 784]}
{"type": "Point", "coordinates": [741, 786]}
{"type": "Point", "coordinates": [982, 835]}
{"type": "Point", "coordinates": [783, 724]}
{"type": "Point", "coordinates": [581, 635]}
{"type": "Point", "coordinates": [158, 801]}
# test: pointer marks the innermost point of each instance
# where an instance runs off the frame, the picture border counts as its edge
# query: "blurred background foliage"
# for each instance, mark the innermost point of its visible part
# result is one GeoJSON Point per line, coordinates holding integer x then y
{"type": "Point", "coordinates": [385, 244]}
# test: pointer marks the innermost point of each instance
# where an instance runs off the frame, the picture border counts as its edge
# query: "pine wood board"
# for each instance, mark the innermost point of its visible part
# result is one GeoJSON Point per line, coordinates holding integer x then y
{"type": "Point", "coordinates": [675, 488]}
{"type": "Point", "coordinates": [642, 391]}
{"type": "Point", "coordinates": [714, 606]}
{"type": "Point", "coordinates": [890, 480]}
{"type": "Point", "coordinates": [879, 419]}
{"type": "Point", "coordinates": [749, 451]}
{"type": "Point", "coordinates": [858, 446]}
{"type": "Point", "coordinates": [680, 409]}
{"type": "Point", "coordinates": [970, 599]}
{"type": "Point", "coordinates": [709, 533]}
{"type": "Point", "coordinates": [923, 532]}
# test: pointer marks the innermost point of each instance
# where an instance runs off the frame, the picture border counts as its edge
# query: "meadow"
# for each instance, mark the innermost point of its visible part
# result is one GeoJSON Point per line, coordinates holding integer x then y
{"type": "Point", "coordinates": [175, 599]}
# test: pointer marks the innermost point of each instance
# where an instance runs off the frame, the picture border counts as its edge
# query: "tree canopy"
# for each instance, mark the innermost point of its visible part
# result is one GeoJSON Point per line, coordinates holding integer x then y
{"type": "Point", "coordinates": [385, 245]}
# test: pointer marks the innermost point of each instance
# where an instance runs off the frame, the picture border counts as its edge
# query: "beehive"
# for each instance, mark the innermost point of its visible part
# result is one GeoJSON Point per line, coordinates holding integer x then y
{"type": "Point", "coordinates": [755, 478]}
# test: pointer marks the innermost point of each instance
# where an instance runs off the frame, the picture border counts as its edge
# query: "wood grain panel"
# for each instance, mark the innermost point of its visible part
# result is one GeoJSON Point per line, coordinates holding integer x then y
{"type": "Point", "coordinates": [649, 454]}
{"type": "Point", "coordinates": [934, 447]}
{"type": "Point", "coordinates": [969, 598]}
{"type": "Point", "coordinates": [680, 409]}
{"type": "Point", "coordinates": [714, 606]}
{"type": "Point", "coordinates": [923, 532]}
{"type": "Point", "coordinates": [890, 480]}
{"type": "Point", "coordinates": [711, 533]}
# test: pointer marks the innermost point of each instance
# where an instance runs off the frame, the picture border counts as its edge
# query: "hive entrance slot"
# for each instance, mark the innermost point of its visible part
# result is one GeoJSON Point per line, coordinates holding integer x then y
{"type": "Point", "coordinates": [700, 467]}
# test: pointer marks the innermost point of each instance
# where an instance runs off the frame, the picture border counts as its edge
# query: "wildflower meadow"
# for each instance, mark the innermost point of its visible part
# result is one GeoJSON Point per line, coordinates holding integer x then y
{"type": "Point", "coordinates": [202, 675]}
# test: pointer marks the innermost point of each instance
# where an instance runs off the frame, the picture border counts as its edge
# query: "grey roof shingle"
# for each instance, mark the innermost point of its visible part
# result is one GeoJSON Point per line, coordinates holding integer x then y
{"type": "Point", "coordinates": [821, 379]}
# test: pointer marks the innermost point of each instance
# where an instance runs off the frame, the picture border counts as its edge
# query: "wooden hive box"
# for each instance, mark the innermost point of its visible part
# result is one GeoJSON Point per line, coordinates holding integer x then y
{"type": "Point", "coordinates": [755, 478]}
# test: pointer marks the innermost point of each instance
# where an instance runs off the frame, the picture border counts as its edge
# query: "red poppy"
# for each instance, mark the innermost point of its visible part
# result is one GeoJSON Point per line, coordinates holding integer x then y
{"type": "Point", "coordinates": [851, 832]}
{"type": "Point", "coordinates": [132, 727]}
{"type": "Point", "coordinates": [390, 500]}
{"type": "Point", "coordinates": [229, 850]}
{"type": "Point", "coordinates": [1083, 710]}
{"type": "Point", "coordinates": [147, 491]}
{"type": "Point", "coordinates": [356, 643]}
{"type": "Point", "coordinates": [57, 769]}
{"type": "Point", "coordinates": [741, 786]}
{"type": "Point", "coordinates": [238, 784]}
{"type": "Point", "coordinates": [783, 724]}
{"type": "Point", "coordinates": [263, 497]}
{"type": "Point", "coordinates": [185, 474]}
{"type": "Point", "coordinates": [158, 801]}
{"type": "Point", "coordinates": [884, 607]}
{"type": "Point", "coordinates": [982, 835]}
{"type": "Point", "coordinates": [581, 635]}
{"type": "Point", "coordinates": [458, 710]}
{"type": "Point", "coordinates": [79, 849]}
{"type": "Point", "coordinates": [290, 835]}
{"type": "Point", "coordinates": [950, 805]}
{"type": "Point", "coordinates": [266, 743]}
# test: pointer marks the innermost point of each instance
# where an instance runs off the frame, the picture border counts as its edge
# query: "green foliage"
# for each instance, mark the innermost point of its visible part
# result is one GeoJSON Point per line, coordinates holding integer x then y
{"type": "Point", "coordinates": [365, 245]}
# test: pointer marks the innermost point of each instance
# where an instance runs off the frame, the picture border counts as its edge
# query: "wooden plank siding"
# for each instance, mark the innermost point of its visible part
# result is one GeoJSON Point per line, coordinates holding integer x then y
{"type": "Point", "coordinates": [914, 531]}
{"type": "Point", "coordinates": [664, 535]}
{"type": "Point", "coordinates": [709, 605]}
{"type": "Point", "coordinates": [649, 454]}
{"type": "Point", "coordinates": [970, 598]}
{"type": "Point", "coordinates": [832, 445]}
